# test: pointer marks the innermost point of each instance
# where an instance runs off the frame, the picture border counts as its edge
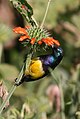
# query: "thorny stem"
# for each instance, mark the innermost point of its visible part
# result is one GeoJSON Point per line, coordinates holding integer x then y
{"type": "Point", "coordinates": [15, 86]}
{"type": "Point", "coordinates": [49, 1]}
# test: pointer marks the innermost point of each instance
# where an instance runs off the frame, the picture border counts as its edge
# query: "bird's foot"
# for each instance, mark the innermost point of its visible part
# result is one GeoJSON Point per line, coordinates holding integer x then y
{"type": "Point", "coordinates": [16, 83]}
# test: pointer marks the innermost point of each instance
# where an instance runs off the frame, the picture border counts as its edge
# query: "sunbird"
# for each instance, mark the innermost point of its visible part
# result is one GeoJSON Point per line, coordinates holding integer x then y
{"type": "Point", "coordinates": [39, 66]}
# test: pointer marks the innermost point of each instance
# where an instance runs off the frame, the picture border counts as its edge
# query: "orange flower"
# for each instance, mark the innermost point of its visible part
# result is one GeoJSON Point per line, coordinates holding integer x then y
{"type": "Point", "coordinates": [39, 42]}
{"type": "Point", "coordinates": [26, 35]}
{"type": "Point", "coordinates": [50, 41]}
{"type": "Point", "coordinates": [33, 41]}
{"type": "Point", "coordinates": [56, 42]}
{"type": "Point", "coordinates": [22, 38]}
{"type": "Point", "coordinates": [20, 30]}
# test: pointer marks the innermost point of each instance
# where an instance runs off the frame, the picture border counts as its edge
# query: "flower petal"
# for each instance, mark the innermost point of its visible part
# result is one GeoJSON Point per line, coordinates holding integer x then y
{"type": "Point", "coordinates": [20, 30]}
{"type": "Point", "coordinates": [39, 42]}
{"type": "Point", "coordinates": [33, 41]}
{"type": "Point", "coordinates": [56, 42]}
{"type": "Point", "coordinates": [22, 38]}
{"type": "Point", "coordinates": [50, 41]}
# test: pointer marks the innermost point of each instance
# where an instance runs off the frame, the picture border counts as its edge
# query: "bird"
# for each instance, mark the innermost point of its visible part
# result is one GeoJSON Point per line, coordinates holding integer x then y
{"type": "Point", "coordinates": [39, 66]}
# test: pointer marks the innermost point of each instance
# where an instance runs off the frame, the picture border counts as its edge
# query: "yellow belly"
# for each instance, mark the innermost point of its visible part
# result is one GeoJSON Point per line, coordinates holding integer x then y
{"type": "Point", "coordinates": [35, 69]}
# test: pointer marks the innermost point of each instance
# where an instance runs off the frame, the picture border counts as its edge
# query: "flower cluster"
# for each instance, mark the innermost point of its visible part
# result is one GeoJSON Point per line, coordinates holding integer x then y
{"type": "Point", "coordinates": [35, 35]}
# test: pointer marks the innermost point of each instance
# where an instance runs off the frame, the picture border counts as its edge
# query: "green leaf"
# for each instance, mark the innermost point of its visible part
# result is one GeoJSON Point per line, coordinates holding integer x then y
{"type": "Point", "coordinates": [29, 8]}
{"type": "Point", "coordinates": [24, 8]}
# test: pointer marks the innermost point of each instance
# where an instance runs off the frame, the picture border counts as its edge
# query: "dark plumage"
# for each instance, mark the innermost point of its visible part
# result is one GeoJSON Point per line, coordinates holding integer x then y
{"type": "Point", "coordinates": [39, 67]}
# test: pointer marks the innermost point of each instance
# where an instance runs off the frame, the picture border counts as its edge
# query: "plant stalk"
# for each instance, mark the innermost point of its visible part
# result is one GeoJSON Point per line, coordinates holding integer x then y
{"type": "Point", "coordinates": [27, 64]}
{"type": "Point", "coordinates": [49, 1]}
{"type": "Point", "coordinates": [15, 86]}
{"type": "Point", "coordinates": [35, 21]}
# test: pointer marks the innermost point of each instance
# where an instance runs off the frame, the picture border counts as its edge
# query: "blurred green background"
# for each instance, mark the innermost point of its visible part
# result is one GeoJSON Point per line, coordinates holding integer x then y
{"type": "Point", "coordinates": [30, 100]}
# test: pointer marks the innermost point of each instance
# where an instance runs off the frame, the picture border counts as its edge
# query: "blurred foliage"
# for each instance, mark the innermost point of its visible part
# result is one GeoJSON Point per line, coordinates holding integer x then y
{"type": "Point", "coordinates": [30, 100]}
{"type": "Point", "coordinates": [7, 71]}
{"type": "Point", "coordinates": [58, 9]}
{"type": "Point", "coordinates": [6, 33]}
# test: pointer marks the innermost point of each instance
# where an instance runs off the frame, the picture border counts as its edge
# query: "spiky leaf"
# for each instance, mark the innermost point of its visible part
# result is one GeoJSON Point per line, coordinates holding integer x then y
{"type": "Point", "coordinates": [24, 8]}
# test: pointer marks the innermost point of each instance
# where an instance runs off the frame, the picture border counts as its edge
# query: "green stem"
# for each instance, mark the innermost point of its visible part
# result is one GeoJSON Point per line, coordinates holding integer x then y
{"type": "Point", "coordinates": [54, 77]}
{"type": "Point", "coordinates": [8, 97]}
{"type": "Point", "coordinates": [35, 21]}
{"type": "Point", "coordinates": [15, 86]}
{"type": "Point", "coordinates": [49, 1]}
{"type": "Point", "coordinates": [11, 92]}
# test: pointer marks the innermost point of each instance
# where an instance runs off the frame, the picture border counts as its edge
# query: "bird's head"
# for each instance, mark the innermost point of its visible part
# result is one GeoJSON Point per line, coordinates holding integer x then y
{"type": "Point", "coordinates": [58, 54]}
